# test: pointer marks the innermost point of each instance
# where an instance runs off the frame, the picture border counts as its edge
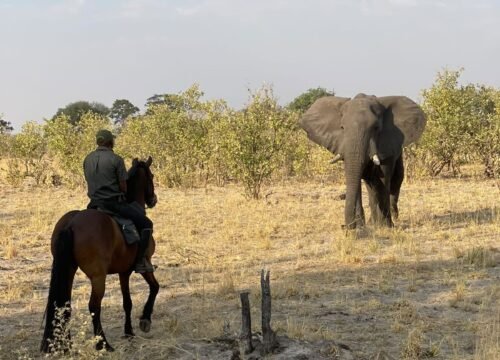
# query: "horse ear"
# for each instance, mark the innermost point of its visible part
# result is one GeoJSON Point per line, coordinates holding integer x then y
{"type": "Point", "coordinates": [149, 161]}
{"type": "Point", "coordinates": [135, 161]}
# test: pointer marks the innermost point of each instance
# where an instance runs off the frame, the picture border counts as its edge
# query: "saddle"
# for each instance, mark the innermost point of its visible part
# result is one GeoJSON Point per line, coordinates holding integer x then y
{"type": "Point", "coordinates": [127, 227]}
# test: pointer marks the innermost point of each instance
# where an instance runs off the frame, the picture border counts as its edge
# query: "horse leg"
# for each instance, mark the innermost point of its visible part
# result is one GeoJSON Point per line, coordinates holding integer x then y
{"type": "Point", "coordinates": [127, 302]}
{"type": "Point", "coordinates": [98, 287]}
{"type": "Point", "coordinates": [154, 287]}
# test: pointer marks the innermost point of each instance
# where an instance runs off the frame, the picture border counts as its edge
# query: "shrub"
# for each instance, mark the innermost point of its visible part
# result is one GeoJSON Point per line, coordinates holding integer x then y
{"type": "Point", "coordinates": [183, 137]}
{"type": "Point", "coordinates": [28, 155]}
{"type": "Point", "coordinates": [69, 144]}
{"type": "Point", "coordinates": [260, 136]}
{"type": "Point", "coordinates": [457, 116]}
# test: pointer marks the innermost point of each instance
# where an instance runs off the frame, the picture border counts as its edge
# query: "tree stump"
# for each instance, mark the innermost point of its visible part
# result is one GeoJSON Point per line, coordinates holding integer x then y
{"type": "Point", "coordinates": [246, 323]}
{"type": "Point", "coordinates": [268, 335]}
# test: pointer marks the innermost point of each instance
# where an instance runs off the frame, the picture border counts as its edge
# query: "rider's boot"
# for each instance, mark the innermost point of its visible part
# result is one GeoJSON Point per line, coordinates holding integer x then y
{"type": "Point", "coordinates": [142, 264]}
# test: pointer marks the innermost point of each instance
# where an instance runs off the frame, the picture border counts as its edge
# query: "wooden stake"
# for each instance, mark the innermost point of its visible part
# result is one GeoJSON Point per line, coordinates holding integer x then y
{"type": "Point", "coordinates": [246, 322]}
{"type": "Point", "coordinates": [268, 335]}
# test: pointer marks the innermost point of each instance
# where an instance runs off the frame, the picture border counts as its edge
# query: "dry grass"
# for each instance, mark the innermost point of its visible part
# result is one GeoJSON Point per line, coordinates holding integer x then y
{"type": "Point", "coordinates": [427, 288]}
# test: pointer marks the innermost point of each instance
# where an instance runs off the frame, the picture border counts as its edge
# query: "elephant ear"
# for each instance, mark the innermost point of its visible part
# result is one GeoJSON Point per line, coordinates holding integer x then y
{"type": "Point", "coordinates": [406, 115]}
{"type": "Point", "coordinates": [404, 123]}
{"type": "Point", "coordinates": [322, 122]}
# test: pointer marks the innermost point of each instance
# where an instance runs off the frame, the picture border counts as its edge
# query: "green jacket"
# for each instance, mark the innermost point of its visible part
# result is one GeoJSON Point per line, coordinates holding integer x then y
{"type": "Point", "coordinates": [103, 171]}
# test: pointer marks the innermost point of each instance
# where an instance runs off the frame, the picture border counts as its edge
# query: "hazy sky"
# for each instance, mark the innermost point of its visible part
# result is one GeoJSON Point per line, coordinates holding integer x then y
{"type": "Point", "coordinates": [53, 52]}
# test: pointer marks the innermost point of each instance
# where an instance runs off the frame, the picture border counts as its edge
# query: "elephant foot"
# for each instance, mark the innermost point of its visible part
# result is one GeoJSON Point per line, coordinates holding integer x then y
{"type": "Point", "coordinates": [145, 325]}
{"type": "Point", "coordinates": [362, 233]}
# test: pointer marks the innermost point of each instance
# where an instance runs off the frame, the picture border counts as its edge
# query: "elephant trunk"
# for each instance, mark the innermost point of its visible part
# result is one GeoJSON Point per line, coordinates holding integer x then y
{"type": "Point", "coordinates": [354, 164]}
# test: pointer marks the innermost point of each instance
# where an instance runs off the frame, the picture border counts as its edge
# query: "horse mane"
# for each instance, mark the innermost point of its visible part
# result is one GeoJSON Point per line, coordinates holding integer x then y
{"type": "Point", "coordinates": [135, 166]}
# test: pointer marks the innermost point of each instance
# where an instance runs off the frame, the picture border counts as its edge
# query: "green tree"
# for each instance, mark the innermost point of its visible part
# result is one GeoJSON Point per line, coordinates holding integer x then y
{"type": "Point", "coordinates": [487, 140]}
{"type": "Point", "coordinates": [176, 135]}
{"type": "Point", "coordinates": [175, 102]}
{"type": "Point", "coordinates": [302, 102]}
{"type": "Point", "coordinates": [69, 144]}
{"type": "Point", "coordinates": [5, 126]}
{"type": "Point", "coordinates": [121, 110]}
{"type": "Point", "coordinates": [5, 137]}
{"type": "Point", "coordinates": [259, 138]}
{"type": "Point", "coordinates": [74, 111]}
{"type": "Point", "coordinates": [455, 114]}
{"type": "Point", "coordinates": [28, 154]}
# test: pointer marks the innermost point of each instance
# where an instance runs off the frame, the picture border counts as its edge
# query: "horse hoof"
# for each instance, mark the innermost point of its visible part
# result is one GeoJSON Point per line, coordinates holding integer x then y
{"type": "Point", "coordinates": [45, 348]}
{"type": "Point", "coordinates": [129, 335]}
{"type": "Point", "coordinates": [145, 325]}
{"type": "Point", "coordinates": [104, 345]}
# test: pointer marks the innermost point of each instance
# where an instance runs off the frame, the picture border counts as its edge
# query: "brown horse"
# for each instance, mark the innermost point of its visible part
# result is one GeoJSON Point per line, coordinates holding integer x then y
{"type": "Point", "coordinates": [92, 241]}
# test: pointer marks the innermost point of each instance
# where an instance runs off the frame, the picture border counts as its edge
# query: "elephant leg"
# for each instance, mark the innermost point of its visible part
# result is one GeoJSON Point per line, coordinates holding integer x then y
{"type": "Point", "coordinates": [360, 213]}
{"type": "Point", "coordinates": [378, 194]}
{"type": "Point", "coordinates": [396, 181]}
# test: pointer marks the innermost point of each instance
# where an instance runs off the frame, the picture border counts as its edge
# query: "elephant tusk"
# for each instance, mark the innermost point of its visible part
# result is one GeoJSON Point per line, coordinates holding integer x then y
{"type": "Point", "coordinates": [376, 160]}
{"type": "Point", "coordinates": [336, 158]}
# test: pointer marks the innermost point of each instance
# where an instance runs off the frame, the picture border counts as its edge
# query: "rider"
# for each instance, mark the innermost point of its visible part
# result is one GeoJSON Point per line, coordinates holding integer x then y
{"type": "Point", "coordinates": [106, 178]}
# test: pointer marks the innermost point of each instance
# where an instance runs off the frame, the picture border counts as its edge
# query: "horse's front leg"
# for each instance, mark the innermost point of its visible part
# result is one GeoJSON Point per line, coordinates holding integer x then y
{"type": "Point", "coordinates": [127, 302]}
{"type": "Point", "coordinates": [154, 287]}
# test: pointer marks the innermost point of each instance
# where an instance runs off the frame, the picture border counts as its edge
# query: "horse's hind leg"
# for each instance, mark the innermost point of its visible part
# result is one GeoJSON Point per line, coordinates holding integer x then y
{"type": "Point", "coordinates": [154, 287]}
{"type": "Point", "coordinates": [127, 302]}
{"type": "Point", "coordinates": [98, 287]}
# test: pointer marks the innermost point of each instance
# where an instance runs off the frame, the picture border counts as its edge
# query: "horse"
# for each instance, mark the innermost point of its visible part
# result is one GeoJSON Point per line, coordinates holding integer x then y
{"type": "Point", "coordinates": [92, 241]}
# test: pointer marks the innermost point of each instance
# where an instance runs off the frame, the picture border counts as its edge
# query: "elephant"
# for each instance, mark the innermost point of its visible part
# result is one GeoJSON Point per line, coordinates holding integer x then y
{"type": "Point", "coordinates": [368, 133]}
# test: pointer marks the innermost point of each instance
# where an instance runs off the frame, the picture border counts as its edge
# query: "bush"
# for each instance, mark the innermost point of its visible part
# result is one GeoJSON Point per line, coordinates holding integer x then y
{"type": "Point", "coordinates": [28, 155]}
{"type": "Point", "coordinates": [69, 144]}
{"type": "Point", "coordinates": [260, 137]}
{"type": "Point", "coordinates": [457, 118]}
{"type": "Point", "coordinates": [183, 137]}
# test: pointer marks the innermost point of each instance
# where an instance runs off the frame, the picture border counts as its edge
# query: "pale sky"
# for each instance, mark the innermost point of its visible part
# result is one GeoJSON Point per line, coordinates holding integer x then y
{"type": "Point", "coordinates": [53, 52]}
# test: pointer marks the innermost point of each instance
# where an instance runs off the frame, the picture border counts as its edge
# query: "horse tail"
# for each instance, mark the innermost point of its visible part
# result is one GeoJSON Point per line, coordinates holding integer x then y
{"type": "Point", "coordinates": [61, 281]}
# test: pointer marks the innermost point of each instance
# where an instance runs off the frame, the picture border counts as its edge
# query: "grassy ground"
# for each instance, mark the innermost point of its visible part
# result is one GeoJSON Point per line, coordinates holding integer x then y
{"type": "Point", "coordinates": [428, 288]}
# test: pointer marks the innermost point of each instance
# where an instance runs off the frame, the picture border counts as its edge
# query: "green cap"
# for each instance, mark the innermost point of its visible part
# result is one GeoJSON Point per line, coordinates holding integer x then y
{"type": "Point", "coordinates": [104, 136]}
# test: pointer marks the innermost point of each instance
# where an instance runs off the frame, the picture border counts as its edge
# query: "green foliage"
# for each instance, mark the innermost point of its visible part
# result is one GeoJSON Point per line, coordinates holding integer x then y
{"type": "Point", "coordinates": [5, 138]}
{"type": "Point", "coordinates": [457, 116]}
{"type": "Point", "coordinates": [259, 140]}
{"type": "Point", "coordinates": [195, 142]}
{"type": "Point", "coordinates": [74, 111]}
{"type": "Point", "coordinates": [69, 144]}
{"type": "Point", "coordinates": [6, 141]}
{"type": "Point", "coordinates": [487, 140]}
{"type": "Point", "coordinates": [27, 156]}
{"type": "Point", "coordinates": [179, 137]}
{"type": "Point", "coordinates": [302, 102]}
{"type": "Point", "coordinates": [121, 110]}
{"type": "Point", "coordinates": [175, 102]}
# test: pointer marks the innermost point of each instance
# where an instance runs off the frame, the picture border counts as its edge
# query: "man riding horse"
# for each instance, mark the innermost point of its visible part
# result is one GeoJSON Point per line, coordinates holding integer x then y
{"type": "Point", "coordinates": [106, 178]}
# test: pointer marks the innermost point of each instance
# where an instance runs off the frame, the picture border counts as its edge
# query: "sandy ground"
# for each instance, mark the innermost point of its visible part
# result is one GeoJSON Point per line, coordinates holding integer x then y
{"type": "Point", "coordinates": [429, 288]}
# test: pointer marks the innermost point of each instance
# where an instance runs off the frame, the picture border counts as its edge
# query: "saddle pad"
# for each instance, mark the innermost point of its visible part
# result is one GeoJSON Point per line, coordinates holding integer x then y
{"type": "Point", "coordinates": [128, 229]}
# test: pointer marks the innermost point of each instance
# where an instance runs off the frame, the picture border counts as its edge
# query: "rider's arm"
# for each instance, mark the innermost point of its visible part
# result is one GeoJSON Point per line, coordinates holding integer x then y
{"type": "Point", "coordinates": [123, 186]}
{"type": "Point", "coordinates": [121, 172]}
